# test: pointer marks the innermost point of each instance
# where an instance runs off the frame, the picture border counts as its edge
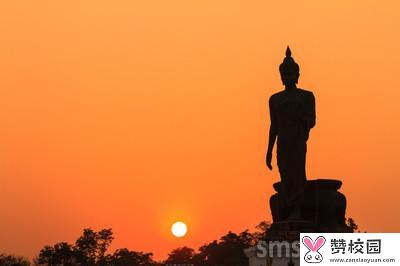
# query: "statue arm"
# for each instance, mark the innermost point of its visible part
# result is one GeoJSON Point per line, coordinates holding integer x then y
{"type": "Point", "coordinates": [310, 113]}
{"type": "Point", "coordinates": [272, 133]}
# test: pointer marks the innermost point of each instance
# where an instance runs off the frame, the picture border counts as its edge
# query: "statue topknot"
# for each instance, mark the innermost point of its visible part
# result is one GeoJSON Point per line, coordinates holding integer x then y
{"type": "Point", "coordinates": [288, 63]}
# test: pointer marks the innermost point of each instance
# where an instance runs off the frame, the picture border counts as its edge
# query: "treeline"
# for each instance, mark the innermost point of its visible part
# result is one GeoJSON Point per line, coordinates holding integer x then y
{"type": "Point", "coordinates": [92, 249]}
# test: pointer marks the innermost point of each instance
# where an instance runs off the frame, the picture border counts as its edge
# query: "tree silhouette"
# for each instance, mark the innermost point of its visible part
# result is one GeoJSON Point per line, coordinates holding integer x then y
{"type": "Point", "coordinates": [183, 255]}
{"type": "Point", "coordinates": [352, 224]}
{"type": "Point", "coordinates": [228, 251]}
{"type": "Point", "coordinates": [90, 249]}
{"type": "Point", "coordinates": [92, 246]}
{"type": "Point", "coordinates": [261, 230]}
{"type": "Point", "coordinates": [125, 257]}
{"type": "Point", "coordinates": [10, 260]}
{"type": "Point", "coordinates": [60, 254]}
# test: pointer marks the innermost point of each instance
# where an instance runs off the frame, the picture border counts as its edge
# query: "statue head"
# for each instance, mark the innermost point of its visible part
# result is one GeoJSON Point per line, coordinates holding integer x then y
{"type": "Point", "coordinates": [289, 70]}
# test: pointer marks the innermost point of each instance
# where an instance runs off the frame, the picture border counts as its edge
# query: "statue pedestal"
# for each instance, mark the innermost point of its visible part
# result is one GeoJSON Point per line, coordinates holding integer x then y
{"type": "Point", "coordinates": [323, 210]}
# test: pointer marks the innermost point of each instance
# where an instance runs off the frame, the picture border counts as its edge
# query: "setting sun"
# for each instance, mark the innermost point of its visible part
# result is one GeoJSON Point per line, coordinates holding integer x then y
{"type": "Point", "coordinates": [179, 229]}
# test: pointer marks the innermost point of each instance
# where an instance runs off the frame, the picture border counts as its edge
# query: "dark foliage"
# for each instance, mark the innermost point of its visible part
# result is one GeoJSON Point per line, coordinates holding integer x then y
{"type": "Point", "coordinates": [91, 250]}
{"type": "Point", "coordinates": [10, 260]}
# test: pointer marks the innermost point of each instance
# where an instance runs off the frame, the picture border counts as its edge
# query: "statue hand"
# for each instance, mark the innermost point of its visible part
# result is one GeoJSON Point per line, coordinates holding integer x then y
{"type": "Point", "coordinates": [268, 160]}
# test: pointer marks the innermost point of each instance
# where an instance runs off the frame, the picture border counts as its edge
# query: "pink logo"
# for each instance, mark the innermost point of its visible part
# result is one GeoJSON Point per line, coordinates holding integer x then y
{"type": "Point", "coordinates": [313, 255]}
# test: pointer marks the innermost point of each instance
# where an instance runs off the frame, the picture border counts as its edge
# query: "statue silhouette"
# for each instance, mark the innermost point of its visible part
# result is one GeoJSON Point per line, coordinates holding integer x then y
{"type": "Point", "coordinates": [292, 113]}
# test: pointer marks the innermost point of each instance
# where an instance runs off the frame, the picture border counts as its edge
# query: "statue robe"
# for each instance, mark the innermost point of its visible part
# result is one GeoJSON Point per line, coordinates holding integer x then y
{"type": "Point", "coordinates": [292, 115]}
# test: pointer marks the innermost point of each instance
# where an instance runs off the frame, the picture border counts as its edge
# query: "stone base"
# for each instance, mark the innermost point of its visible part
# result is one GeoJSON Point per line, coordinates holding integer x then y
{"type": "Point", "coordinates": [323, 210]}
{"type": "Point", "coordinates": [323, 206]}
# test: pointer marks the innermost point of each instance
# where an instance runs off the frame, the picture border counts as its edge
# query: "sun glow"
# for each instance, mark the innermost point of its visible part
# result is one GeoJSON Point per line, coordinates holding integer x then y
{"type": "Point", "coordinates": [179, 229]}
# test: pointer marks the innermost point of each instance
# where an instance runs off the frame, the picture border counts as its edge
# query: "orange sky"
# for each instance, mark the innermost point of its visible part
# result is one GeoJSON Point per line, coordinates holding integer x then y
{"type": "Point", "coordinates": [133, 114]}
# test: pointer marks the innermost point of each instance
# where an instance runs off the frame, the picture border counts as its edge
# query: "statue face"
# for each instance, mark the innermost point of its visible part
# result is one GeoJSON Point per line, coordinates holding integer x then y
{"type": "Point", "coordinates": [290, 78]}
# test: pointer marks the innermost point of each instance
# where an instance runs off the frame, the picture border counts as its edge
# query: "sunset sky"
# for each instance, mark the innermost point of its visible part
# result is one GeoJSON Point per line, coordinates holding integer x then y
{"type": "Point", "coordinates": [135, 114]}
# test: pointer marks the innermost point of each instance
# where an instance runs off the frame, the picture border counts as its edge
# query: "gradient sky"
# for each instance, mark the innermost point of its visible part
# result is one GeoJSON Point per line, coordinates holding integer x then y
{"type": "Point", "coordinates": [134, 114]}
